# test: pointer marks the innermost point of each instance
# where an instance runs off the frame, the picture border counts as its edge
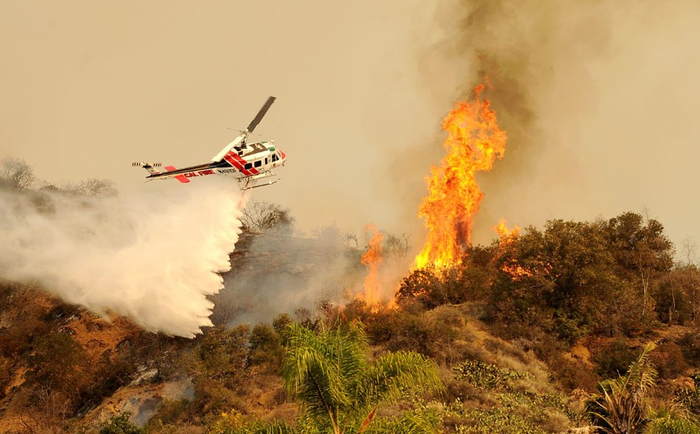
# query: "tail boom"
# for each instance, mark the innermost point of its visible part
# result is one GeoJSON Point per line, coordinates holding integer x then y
{"type": "Point", "coordinates": [150, 167]}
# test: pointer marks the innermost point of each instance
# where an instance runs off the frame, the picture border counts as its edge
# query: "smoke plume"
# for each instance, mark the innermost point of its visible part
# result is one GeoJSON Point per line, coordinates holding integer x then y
{"type": "Point", "coordinates": [577, 86]}
{"type": "Point", "coordinates": [276, 274]}
{"type": "Point", "coordinates": [153, 257]}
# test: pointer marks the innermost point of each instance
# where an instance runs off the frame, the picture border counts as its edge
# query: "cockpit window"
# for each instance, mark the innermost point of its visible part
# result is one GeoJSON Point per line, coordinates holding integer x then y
{"type": "Point", "coordinates": [274, 157]}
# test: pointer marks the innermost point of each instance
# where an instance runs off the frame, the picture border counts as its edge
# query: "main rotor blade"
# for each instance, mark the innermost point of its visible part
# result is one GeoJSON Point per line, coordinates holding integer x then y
{"type": "Point", "coordinates": [254, 123]}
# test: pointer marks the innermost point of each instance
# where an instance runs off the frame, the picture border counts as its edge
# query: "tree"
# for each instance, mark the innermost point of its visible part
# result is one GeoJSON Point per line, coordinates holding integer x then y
{"type": "Point", "coordinates": [468, 281]}
{"type": "Point", "coordinates": [95, 187]}
{"type": "Point", "coordinates": [15, 174]}
{"type": "Point", "coordinates": [266, 217]}
{"type": "Point", "coordinates": [265, 345]}
{"type": "Point", "coordinates": [329, 235]}
{"type": "Point", "coordinates": [642, 251]}
{"type": "Point", "coordinates": [217, 367]}
{"type": "Point", "coordinates": [222, 354]}
{"type": "Point", "coordinates": [559, 280]}
{"type": "Point", "coordinates": [57, 379]}
{"type": "Point", "coordinates": [423, 285]}
{"type": "Point", "coordinates": [395, 246]}
{"type": "Point", "coordinates": [58, 363]}
{"type": "Point", "coordinates": [677, 295]}
{"type": "Point", "coordinates": [340, 391]}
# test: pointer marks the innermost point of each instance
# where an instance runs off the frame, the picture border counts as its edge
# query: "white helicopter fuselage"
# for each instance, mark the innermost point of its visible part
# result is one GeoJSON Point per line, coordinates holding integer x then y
{"type": "Point", "coordinates": [251, 164]}
{"type": "Point", "coordinates": [255, 159]}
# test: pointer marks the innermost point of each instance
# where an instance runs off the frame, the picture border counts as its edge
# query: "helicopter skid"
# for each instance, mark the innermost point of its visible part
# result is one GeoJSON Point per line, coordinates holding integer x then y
{"type": "Point", "coordinates": [250, 187]}
{"type": "Point", "coordinates": [256, 181]}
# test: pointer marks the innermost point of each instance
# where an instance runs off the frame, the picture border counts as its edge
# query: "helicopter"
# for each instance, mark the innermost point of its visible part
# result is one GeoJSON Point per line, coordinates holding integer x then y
{"type": "Point", "coordinates": [250, 163]}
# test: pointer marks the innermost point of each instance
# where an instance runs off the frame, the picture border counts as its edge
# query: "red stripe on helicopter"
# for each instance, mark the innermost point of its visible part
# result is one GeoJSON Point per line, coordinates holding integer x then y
{"type": "Point", "coordinates": [243, 162]}
{"type": "Point", "coordinates": [233, 162]}
{"type": "Point", "coordinates": [180, 178]}
{"type": "Point", "coordinates": [233, 159]}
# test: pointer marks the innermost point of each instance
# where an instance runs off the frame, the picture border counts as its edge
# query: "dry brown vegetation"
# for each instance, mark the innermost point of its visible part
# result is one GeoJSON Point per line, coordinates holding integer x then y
{"type": "Point", "coordinates": [518, 352]}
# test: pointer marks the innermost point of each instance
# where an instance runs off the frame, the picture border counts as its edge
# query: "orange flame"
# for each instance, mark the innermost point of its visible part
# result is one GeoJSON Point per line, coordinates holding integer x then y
{"type": "Point", "coordinates": [474, 142]}
{"type": "Point", "coordinates": [372, 259]}
{"type": "Point", "coordinates": [505, 235]}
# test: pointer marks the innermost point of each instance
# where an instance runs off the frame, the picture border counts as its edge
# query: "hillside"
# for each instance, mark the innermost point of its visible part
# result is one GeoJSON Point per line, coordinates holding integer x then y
{"type": "Point", "coordinates": [140, 369]}
{"type": "Point", "coordinates": [508, 362]}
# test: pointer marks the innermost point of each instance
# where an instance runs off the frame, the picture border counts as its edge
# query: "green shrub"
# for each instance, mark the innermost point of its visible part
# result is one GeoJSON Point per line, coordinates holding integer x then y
{"type": "Point", "coordinates": [614, 359]}
{"type": "Point", "coordinates": [170, 412]}
{"type": "Point", "coordinates": [463, 420]}
{"type": "Point", "coordinates": [669, 423]}
{"type": "Point", "coordinates": [690, 347]}
{"type": "Point", "coordinates": [265, 345]}
{"type": "Point", "coordinates": [120, 424]}
{"type": "Point", "coordinates": [690, 396]}
{"type": "Point", "coordinates": [487, 376]}
{"type": "Point", "coordinates": [669, 361]}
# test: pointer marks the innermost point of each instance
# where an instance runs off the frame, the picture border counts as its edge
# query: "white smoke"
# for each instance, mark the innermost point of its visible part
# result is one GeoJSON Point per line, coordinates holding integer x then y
{"type": "Point", "coordinates": [153, 257]}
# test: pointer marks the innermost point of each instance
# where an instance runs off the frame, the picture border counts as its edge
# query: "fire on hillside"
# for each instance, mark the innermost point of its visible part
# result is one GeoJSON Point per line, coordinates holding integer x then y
{"type": "Point", "coordinates": [474, 142]}
{"type": "Point", "coordinates": [372, 259]}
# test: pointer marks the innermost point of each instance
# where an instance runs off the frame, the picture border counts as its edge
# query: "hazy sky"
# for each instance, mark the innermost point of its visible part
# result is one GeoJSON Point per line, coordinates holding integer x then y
{"type": "Point", "coordinates": [612, 91]}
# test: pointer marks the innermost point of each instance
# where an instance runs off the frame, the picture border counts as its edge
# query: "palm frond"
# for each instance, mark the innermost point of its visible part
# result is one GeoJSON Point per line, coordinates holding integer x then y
{"type": "Point", "coordinates": [641, 375]}
{"type": "Point", "coordinates": [395, 373]}
{"type": "Point", "coordinates": [620, 406]}
{"type": "Point", "coordinates": [312, 372]}
{"type": "Point", "coordinates": [329, 373]}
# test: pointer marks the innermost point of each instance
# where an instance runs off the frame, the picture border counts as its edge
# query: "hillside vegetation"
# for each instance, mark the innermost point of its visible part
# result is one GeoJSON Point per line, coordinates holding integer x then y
{"type": "Point", "coordinates": [579, 326]}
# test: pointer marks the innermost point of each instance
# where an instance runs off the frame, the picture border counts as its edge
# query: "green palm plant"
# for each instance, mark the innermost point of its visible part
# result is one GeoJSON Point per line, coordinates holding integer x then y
{"type": "Point", "coordinates": [339, 389]}
{"type": "Point", "coordinates": [621, 405]}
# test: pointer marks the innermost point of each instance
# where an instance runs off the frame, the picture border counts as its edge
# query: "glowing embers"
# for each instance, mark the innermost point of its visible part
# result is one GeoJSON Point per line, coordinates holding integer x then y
{"type": "Point", "coordinates": [474, 142]}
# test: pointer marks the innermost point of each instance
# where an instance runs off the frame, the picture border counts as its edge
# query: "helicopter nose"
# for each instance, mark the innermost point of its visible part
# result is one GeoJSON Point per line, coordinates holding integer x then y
{"type": "Point", "coordinates": [283, 155]}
